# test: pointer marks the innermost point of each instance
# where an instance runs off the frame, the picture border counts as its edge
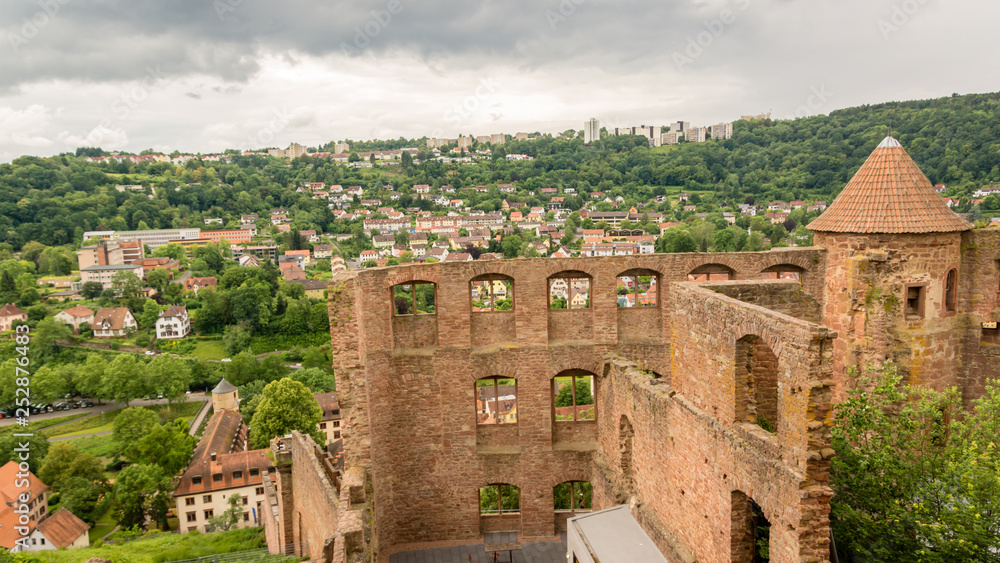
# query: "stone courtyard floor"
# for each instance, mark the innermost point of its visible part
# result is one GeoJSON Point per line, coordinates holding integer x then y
{"type": "Point", "coordinates": [531, 552]}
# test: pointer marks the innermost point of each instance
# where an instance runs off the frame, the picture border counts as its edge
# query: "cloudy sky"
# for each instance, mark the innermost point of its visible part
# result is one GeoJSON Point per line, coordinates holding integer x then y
{"type": "Point", "coordinates": [205, 75]}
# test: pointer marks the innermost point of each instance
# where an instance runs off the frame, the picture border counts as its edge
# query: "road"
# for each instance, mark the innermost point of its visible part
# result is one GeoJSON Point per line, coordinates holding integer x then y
{"type": "Point", "coordinates": [199, 396]}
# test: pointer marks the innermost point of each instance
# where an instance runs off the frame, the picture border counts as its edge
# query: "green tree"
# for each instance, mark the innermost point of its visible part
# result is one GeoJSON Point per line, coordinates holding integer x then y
{"type": "Point", "coordinates": [285, 405]}
{"type": "Point", "coordinates": [88, 380]}
{"type": "Point", "coordinates": [158, 279]}
{"type": "Point", "coordinates": [915, 481]}
{"type": "Point", "coordinates": [11, 448]}
{"type": "Point", "coordinates": [141, 492]}
{"type": "Point", "coordinates": [129, 428]}
{"type": "Point", "coordinates": [45, 336]}
{"type": "Point", "coordinates": [236, 338]}
{"type": "Point", "coordinates": [511, 245]}
{"type": "Point", "coordinates": [166, 445]}
{"type": "Point", "coordinates": [168, 376]}
{"type": "Point", "coordinates": [564, 398]}
{"type": "Point", "coordinates": [229, 517]}
{"type": "Point", "coordinates": [243, 368]}
{"type": "Point", "coordinates": [91, 290]}
{"type": "Point", "coordinates": [316, 357]}
{"type": "Point", "coordinates": [150, 312]}
{"type": "Point", "coordinates": [126, 285]}
{"type": "Point", "coordinates": [123, 381]}
{"type": "Point", "coordinates": [64, 462]}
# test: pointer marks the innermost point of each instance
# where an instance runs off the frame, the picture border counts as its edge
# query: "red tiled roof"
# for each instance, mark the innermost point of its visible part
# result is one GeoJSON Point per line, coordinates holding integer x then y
{"type": "Point", "coordinates": [79, 311]}
{"type": "Point", "coordinates": [10, 310]}
{"type": "Point", "coordinates": [63, 528]}
{"type": "Point", "coordinates": [889, 194]}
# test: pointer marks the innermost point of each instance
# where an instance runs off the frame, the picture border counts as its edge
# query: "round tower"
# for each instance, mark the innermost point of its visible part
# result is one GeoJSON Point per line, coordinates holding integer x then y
{"type": "Point", "coordinates": [225, 396]}
{"type": "Point", "coordinates": [892, 272]}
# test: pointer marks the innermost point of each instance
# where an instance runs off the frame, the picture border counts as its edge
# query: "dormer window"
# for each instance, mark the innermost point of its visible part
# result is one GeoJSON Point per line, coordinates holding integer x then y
{"type": "Point", "coordinates": [196, 480]}
{"type": "Point", "coordinates": [217, 478]}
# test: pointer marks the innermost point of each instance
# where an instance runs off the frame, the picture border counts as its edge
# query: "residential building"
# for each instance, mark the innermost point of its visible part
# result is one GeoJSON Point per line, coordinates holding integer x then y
{"type": "Point", "coordinates": [108, 253]}
{"type": "Point", "coordinates": [269, 251]}
{"type": "Point", "coordinates": [591, 131]}
{"type": "Point", "coordinates": [232, 236]}
{"type": "Point", "coordinates": [722, 131]}
{"type": "Point", "coordinates": [75, 316]}
{"type": "Point", "coordinates": [32, 499]}
{"type": "Point", "coordinates": [680, 126]}
{"type": "Point", "coordinates": [10, 313]}
{"type": "Point", "coordinates": [158, 263]}
{"type": "Point", "coordinates": [340, 148]}
{"type": "Point", "coordinates": [104, 274]}
{"type": "Point", "coordinates": [173, 323]}
{"type": "Point", "coordinates": [696, 134]}
{"type": "Point", "coordinates": [303, 256]}
{"type": "Point", "coordinates": [220, 467]}
{"type": "Point", "coordinates": [59, 530]}
{"type": "Point", "coordinates": [194, 284]}
{"type": "Point", "coordinates": [213, 221]}
{"type": "Point", "coordinates": [313, 288]}
{"type": "Point", "coordinates": [153, 238]}
{"type": "Point", "coordinates": [330, 422]}
{"type": "Point", "coordinates": [322, 251]}
{"type": "Point", "coordinates": [671, 137]}
{"type": "Point", "coordinates": [249, 260]}
{"type": "Point", "coordinates": [113, 322]}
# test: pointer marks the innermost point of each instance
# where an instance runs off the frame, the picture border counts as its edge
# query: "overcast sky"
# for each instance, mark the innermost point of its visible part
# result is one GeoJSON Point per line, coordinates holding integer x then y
{"type": "Point", "coordinates": [206, 75]}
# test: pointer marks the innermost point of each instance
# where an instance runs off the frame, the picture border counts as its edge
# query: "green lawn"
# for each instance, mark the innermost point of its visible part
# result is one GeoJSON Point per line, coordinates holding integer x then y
{"type": "Point", "coordinates": [40, 424]}
{"type": "Point", "coordinates": [97, 446]}
{"type": "Point", "coordinates": [105, 422]}
{"type": "Point", "coordinates": [209, 350]}
{"type": "Point", "coordinates": [159, 547]}
{"type": "Point", "coordinates": [102, 527]}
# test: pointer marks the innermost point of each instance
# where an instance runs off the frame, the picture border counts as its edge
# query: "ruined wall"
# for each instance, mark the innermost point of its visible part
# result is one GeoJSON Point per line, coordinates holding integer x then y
{"type": "Point", "coordinates": [688, 454]}
{"type": "Point", "coordinates": [408, 400]}
{"type": "Point", "coordinates": [865, 297]}
{"type": "Point", "coordinates": [979, 302]}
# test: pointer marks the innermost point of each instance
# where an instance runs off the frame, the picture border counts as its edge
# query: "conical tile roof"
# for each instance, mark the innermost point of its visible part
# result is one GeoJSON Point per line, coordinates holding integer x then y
{"type": "Point", "coordinates": [889, 194]}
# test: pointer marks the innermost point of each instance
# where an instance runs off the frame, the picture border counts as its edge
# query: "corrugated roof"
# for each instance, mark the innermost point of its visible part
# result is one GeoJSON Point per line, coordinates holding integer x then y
{"type": "Point", "coordinates": [889, 194]}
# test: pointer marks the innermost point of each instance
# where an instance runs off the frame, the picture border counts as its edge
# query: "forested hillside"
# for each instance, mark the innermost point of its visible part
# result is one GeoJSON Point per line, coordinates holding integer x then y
{"type": "Point", "coordinates": [955, 140]}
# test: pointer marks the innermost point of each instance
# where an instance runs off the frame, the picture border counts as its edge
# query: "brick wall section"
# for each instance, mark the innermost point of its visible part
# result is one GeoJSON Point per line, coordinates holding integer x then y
{"type": "Point", "coordinates": [782, 296]}
{"type": "Point", "coordinates": [865, 296]}
{"type": "Point", "coordinates": [315, 500]}
{"type": "Point", "coordinates": [416, 402]}
{"type": "Point", "coordinates": [979, 299]}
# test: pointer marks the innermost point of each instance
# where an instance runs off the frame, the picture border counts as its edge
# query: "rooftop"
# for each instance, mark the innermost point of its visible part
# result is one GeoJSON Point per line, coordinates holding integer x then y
{"type": "Point", "coordinates": [889, 194]}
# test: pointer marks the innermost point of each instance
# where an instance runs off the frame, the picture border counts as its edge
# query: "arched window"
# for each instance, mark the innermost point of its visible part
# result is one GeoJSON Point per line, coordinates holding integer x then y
{"type": "Point", "coordinates": [414, 298]}
{"type": "Point", "coordinates": [496, 400]}
{"type": "Point", "coordinates": [492, 293]}
{"type": "Point", "coordinates": [499, 498]}
{"type": "Point", "coordinates": [783, 272]}
{"type": "Point", "coordinates": [638, 288]}
{"type": "Point", "coordinates": [572, 495]}
{"type": "Point", "coordinates": [569, 290]}
{"type": "Point", "coordinates": [712, 272]}
{"type": "Point", "coordinates": [951, 292]}
{"type": "Point", "coordinates": [573, 396]}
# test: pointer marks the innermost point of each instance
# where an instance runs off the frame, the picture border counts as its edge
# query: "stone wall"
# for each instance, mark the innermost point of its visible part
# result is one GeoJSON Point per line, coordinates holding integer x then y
{"type": "Point", "coordinates": [867, 277]}
{"type": "Point", "coordinates": [408, 400]}
{"type": "Point", "coordinates": [979, 300]}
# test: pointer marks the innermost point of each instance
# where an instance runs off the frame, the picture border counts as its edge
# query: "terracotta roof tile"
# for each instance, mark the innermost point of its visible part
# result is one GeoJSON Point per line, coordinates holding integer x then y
{"type": "Point", "coordinates": [889, 194]}
{"type": "Point", "coordinates": [63, 528]}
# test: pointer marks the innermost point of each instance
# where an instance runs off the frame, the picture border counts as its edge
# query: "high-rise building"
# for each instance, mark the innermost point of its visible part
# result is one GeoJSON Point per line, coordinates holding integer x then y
{"type": "Point", "coordinates": [722, 131]}
{"type": "Point", "coordinates": [680, 126]}
{"type": "Point", "coordinates": [591, 131]}
{"type": "Point", "coordinates": [696, 134]}
{"type": "Point", "coordinates": [341, 148]}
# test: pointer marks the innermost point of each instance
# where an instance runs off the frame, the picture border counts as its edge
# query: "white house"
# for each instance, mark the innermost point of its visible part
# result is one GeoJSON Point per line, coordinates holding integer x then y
{"type": "Point", "coordinates": [173, 323]}
{"type": "Point", "coordinates": [61, 529]}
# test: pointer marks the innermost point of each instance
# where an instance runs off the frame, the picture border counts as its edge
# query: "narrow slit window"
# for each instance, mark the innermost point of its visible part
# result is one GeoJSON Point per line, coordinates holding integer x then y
{"type": "Point", "coordinates": [914, 302]}
{"type": "Point", "coordinates": [951, 292]}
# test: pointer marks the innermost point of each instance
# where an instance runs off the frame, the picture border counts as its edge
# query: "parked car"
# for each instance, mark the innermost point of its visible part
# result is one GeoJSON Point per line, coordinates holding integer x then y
{"type": "Point", "coordinates": [226, 360]}
{"type": "Point", "coordinates": [61, 406]}
{"type": "Point", "coordinates": [85, 403]}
